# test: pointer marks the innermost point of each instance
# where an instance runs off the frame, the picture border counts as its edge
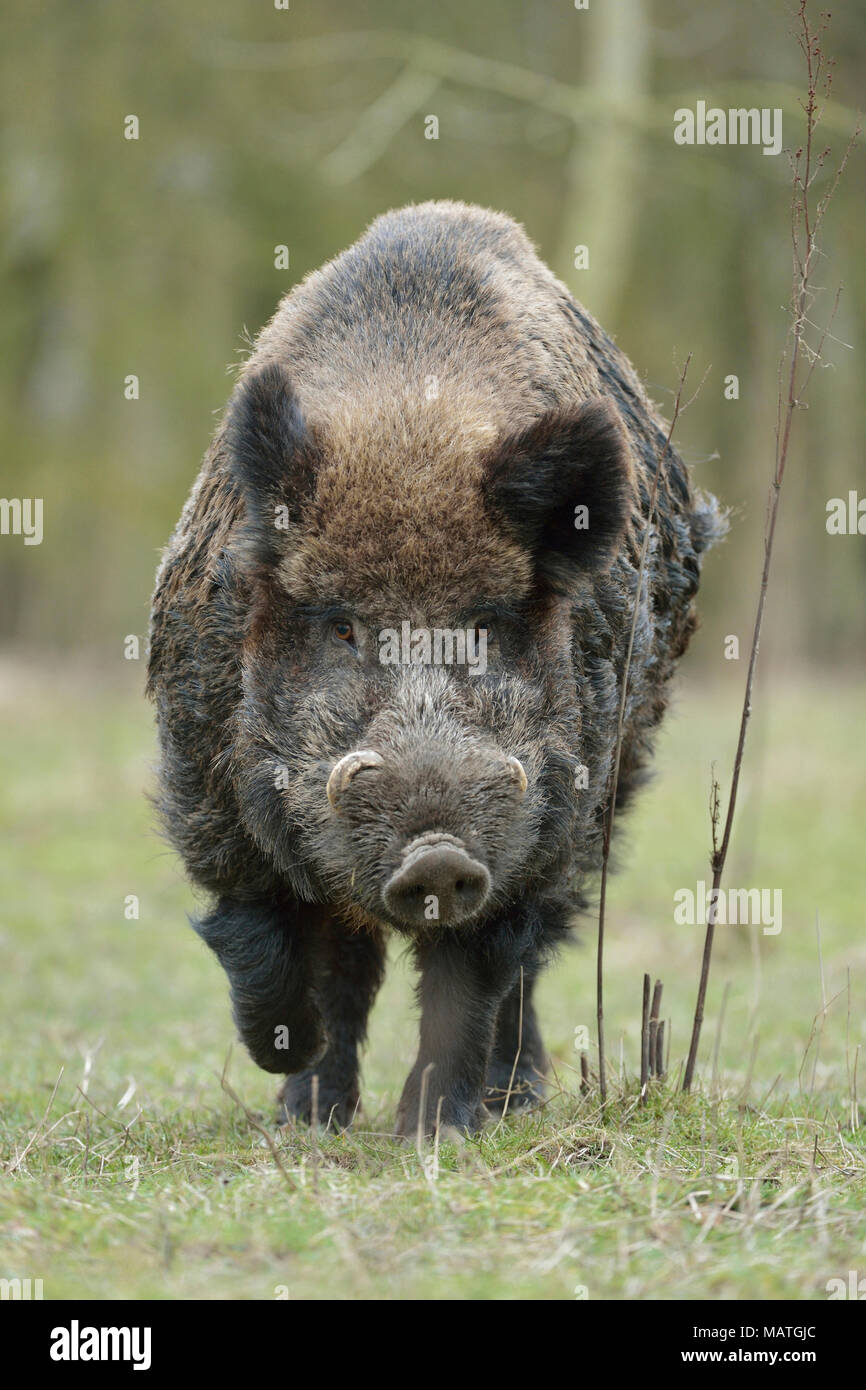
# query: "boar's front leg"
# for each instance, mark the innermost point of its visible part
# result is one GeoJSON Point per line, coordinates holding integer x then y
{"type": "Point", "coordinates": [464, 980]}
{"type": "Point", "coordinates": [264, 948]}
{"type": "Point", "coordinates": [518, 1061]}
{"type": "Point", "coordinates": [348, 966]}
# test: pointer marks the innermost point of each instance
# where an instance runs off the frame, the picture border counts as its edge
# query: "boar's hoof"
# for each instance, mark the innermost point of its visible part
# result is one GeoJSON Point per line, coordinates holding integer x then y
{"type": "Point", "coordinates": [343, 771]}
{"type": "Point", "coordinates": [522, 1087]}
{"type": "Point", "coordinates": [456, 1124]}
{"type": "Point", "coordinates": [336, 1106]}
{"type": "Point", "coordinates": [437, 883]}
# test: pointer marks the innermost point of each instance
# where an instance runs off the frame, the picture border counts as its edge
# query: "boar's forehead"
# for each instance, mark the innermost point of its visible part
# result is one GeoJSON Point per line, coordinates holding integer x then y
{"type": "Point", "coordinates": [398, 510]}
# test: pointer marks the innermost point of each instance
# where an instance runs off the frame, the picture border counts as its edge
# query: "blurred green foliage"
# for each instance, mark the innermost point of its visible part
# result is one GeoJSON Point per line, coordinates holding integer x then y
{"type": "Point", "coordinates": [261, 127]}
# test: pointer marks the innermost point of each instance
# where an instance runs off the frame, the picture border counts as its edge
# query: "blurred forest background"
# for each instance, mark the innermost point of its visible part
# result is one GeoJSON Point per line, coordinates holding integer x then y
{"type": "Point", "coordinates": [262, 127]}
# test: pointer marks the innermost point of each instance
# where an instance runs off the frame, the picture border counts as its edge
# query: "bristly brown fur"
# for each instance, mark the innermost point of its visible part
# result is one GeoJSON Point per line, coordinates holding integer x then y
{"type": "Point", "coordinates": [409, 441]}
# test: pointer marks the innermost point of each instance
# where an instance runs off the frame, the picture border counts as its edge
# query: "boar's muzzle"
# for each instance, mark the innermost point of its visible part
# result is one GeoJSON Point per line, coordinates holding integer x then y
{"type": "Point", "coordinates": [437, 883]}
{"type": "Point", "coordinates": [407, 816]}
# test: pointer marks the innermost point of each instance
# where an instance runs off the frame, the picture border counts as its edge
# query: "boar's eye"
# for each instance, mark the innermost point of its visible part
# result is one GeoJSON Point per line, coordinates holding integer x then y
{"type": "Point", "coordinates": [344, 631]}
{"type": "Point", "coordinates": [485, 626]}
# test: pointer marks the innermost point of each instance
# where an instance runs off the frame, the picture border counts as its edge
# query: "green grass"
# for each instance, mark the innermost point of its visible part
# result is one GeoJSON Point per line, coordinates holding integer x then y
{"type": "Point", "coordinates": [155, 1184]}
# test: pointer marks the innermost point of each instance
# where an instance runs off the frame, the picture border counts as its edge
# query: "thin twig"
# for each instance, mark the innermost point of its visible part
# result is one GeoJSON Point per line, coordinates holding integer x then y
{"type": "Point", "coordinates": [37, 1131]}
{"type": "Point", "coordinates": [659, 1060]}
{"type": "Point", "coordinates": [422, 1110]}
{"type": "Point", "coordinates": [804, 228]}
{"type": "Point", "coordinates": [578, 102]}
{"type": "Point", "coordinates": [644, 1040]}
{"type": "Point", "coordinates": [654, 1027]}
{"type": "Point", "coordinates": [517, 1053]}
{"type": "Point", "coordinates": [256, 1125]}
{"type": "Point", "coordinates": [823, 1006]}
{"type": "Point", "coordinates": [314, 1127]}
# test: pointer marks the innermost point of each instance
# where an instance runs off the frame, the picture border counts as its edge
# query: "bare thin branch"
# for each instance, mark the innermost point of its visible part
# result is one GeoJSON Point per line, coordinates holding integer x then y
{"type": "Point", "coordinates": [257, 1126]}
{"type": "Point", "coordinates": [804, 228]}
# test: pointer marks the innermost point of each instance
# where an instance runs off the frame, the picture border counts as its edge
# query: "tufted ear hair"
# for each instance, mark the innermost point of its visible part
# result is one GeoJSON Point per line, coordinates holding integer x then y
{"type": "Point", "coordinates": [563, 486]}
{"type": "Point", "coordinates": [273, 457]}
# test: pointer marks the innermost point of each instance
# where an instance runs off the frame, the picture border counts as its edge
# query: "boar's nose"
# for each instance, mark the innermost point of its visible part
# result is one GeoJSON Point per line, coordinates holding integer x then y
{"type": "Point", "coordinates": [343, 771]}
{"type": "Point", "coordinates": [436, 883]}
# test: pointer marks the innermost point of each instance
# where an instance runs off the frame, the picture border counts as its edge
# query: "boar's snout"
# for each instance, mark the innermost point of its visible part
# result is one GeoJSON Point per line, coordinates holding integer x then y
{"type": "Point", "coordinates": [425, 833]}
{"type": "Point", "coordinates": [437, 882]}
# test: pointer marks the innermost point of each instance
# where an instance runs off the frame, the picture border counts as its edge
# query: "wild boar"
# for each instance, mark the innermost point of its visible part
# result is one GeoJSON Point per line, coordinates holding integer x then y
{"type": "Point", "coordinates": [387, 645]}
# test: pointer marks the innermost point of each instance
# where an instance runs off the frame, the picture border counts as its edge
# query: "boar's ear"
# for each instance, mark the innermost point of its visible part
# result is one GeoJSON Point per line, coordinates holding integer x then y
{"type": "Point", "coordinates": [540, 480]}
{"type": "Point", "coordinates": [273, 457]}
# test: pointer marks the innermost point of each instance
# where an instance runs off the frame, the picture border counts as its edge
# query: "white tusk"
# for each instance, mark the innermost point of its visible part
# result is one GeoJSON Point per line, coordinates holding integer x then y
{"type": "Point", "coordinates": [343, 771]}
{"type": "Point", "coordinates": [519, 775]}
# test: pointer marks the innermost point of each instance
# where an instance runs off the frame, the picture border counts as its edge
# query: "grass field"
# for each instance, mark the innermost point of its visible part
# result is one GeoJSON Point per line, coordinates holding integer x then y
{"type": "Point", "coordinates": [128, 1171]}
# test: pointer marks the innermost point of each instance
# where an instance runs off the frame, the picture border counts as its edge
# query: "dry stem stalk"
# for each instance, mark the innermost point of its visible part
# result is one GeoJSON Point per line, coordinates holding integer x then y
{"type": "Point", "coordinates": [257, 1126]}
{"type": "Point", "coordinates": [806, 165]}
{"type": "Point", "coordinates": [659, 1062]}
{"type": "Point", "coordinates": [654, 1026]}
{"type": "Point", "coordinates": [645, 1040]}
